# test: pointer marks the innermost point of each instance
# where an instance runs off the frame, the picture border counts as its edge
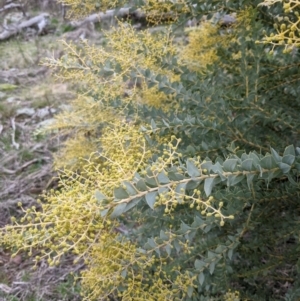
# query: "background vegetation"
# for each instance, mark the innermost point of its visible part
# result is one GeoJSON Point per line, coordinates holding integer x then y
{"type": "Point", "coordinates": [179, 179]}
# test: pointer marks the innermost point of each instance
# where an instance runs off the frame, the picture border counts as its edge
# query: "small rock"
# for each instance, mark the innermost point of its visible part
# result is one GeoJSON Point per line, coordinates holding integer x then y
{"type": "Point", "coordinates": [64, 107]}
{"type": "Point", "coordinates": [16, 260]}
{"type": "Point", "coordinates": [46, 123]}
{"type": "Point", "coordinates": [2, 95]}
{"type": "Point", "coordinates": [12, 99]}
{"type": "Point", "coordinates": [42, 113]}
{"type": "Point", "coordinates": [25, 111]}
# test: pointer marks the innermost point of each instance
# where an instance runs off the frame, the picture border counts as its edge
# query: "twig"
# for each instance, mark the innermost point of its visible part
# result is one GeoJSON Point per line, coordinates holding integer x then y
{"type": "Point", "coordinates": [13, 125]}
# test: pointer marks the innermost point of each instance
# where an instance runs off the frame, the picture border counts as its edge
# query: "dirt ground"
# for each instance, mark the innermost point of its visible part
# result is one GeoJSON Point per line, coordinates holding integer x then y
{"type": "Point", "coordinates": [29, 99]}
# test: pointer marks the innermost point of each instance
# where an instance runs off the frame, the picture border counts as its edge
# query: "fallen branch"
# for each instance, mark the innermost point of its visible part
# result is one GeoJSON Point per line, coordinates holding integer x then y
{"type": "Point", "coordinates": [39, 21]}
{"type": "Point", "coordinates": [109, 14]}
{"type": "Point", "coordinates": [12, 6]}
{"type": "Point", "coordinates": [15, 76]}
{"type": "Point", "coordinates": [137, 15]}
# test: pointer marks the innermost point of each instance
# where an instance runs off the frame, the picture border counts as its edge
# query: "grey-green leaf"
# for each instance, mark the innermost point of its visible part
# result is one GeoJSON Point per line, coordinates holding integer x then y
{"type": "Point", "coordinates": [151, 242]}
{"type": "Point", "coordinates": [153, 124]}
{"type": "Point", "coordinates": [100, 196]}
{"type": "Point", "coordinates": [132, 204]}
{"type": "Point", "coordinates": [168, 249]}
{"type": "Point", "coordinates": [288, 159]}
{"type": "Point", "coordinates": [247, 164]}
{"type": "Point", "coordinates": [289, 150]}
{"type": "Point", "coordinates": [250, 180]}
{"type": "Point", "coordinates": [192, 170]}
{"type": "Point", "coordinates": [130, 188]}
{"type": "Point", "coordinates": [233, 180]}
{"type": "Point", "coordinates": [163, 235]}
{"type": "Point", "coordinates": [285, 168]}
{"type": "Point", "coordinates": [150, 198]}
{"type": "Point", "coordinates": [268, 162]}
{"type": "Point", "coordinates": [275, 155]}
{"type": "Point", "coordinates": [208, 185]}
{"type": "Point", "coordinates": [199, 264]}
{"type": "Point", "coordinates": [230, 164]}
{"type": "Point", "coordinates": [201, 278]}
{"type": "Point", "coordinates": [141, 186]}
{"type": "Point", "coordinates": [162, 178]}
{"type": "Point", "coordinates": [104, 212]}
{"type": "Point", "coordinates": [118, 210]}
{"type": "Point", "coordinates": [212, 267]}
{"type": "Point", "coordinates": [120, 193]}
{"type": "Point", "coordinates": [190, 291]}
{"type": "Point", "coordinates": [180, 191]}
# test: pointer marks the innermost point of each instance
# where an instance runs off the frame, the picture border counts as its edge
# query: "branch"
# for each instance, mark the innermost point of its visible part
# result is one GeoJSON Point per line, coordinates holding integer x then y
{"type": "Point", "coordinates": [136, 15]}
{"type": "Point", "coordinates": [121, 13]}
{"type": "Point", "coordinates": [40, 21]}
{"type": "Point", "coordinates": [12, 6]}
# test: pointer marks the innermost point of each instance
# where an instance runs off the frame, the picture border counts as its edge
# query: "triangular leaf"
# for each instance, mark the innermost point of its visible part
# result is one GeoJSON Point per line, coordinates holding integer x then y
{"type": "Point", "coordinates": [130, 188]}
{"type": "Point", "coordinates": [184, 228]}
{"type": "Point", "coordinates": [162, 178]}
{"type": "Point", "coordinates": [289, 150]}
{"type": "Point", "coordinates": [120, 193]}
{"type": "Point", "coordinates": [151, 198]}
{"type": "Point", "coordinates": [199, 264]}
{"type": "Point", "coordinates": [288, 159]}
{"type": "Point", "coordinates": [247, 164]}
{"type": "Point", "coordinates": [132, 204]}
{"type": "Point", "coordinates": [141, 186]}
{"type": "Point", "coordinates": [168, 249]}
{"type": "Point", "coordinates": [153, 124]}
{"type": "Point", "coordinates": [233, 180]}
{"type": "Point", "coordinates": [285, 168]}
{"type": "Point", "coordinates": [292, 181]}
{"type": "Point", "coordinates": [217, 168]}
{"type": "Point", "coordinates": [208, 185]}
{"type": "Point", "coordinates": [100, 196]}
{"type": "Point", "coordinates": [163, 235]}
{"type": "Point", "coordinates": [212, 267]}
{"type": "Point", "coordinates": [192, 170]}
{"type": "Point", "coordinates": [268, 162]}
{"type": "Point", "coordinates": [190, 291]}
{"type": "Point", "coordinates": [211, 254]}
{"type": "Point", "coordinates": [250, 180]}
{"type": "Point", "coordinates": [118, 210]}
{"type": "Point", "coordinates": [104, 212]}
{"type": "Point", "coordinates": [151, 242]}
{"type": "Point", "coordinates": [275, 155]}
{"type": "Point", "coordinates": [254, 157]}
{"type": "Point", "coordinates": [230, 164]}
{"type": "Point", "coordinates": [201, 278]}
{"type": "Point", "coordinates": [180, 191]}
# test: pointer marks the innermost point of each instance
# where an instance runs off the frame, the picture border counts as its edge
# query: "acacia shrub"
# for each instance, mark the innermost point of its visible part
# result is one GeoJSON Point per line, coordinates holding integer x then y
{"type": "Point", "coordinates": [181, 179]}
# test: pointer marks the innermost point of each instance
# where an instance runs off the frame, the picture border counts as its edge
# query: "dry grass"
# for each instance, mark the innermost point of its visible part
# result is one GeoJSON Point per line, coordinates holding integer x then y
{"type": "Point", "coordinates": [29, 96]}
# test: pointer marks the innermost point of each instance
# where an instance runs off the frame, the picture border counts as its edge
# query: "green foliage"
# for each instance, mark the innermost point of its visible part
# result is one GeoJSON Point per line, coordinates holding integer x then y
{"type": "Point", "coordinates": [184, 181]}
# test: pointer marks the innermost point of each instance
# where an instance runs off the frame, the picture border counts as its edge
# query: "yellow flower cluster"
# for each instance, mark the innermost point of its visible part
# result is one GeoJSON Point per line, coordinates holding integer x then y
{"type": "Point", "coordinates": [70, 219]}
{"type": "Point", "coordinates": [127, 51]}
{"type": "Point", "coordinates": [79, 8]}
{"type": "Point", "coordinates": [68, 222]}
{"type": "Point", "coordinates": [232, 296]}
{"type": "Point", "coordinates": [287, 26]}
{"type": "Point", "coordinates": [201, 49]}
{"type": "Point", "coordinates": [158, 11]}
{"type": "Point", "coordinates": [118, 268]}
{"type": "Point", "coordinates": [92, 111]}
